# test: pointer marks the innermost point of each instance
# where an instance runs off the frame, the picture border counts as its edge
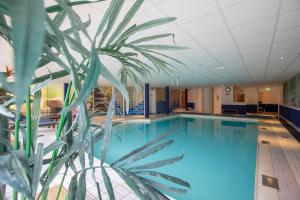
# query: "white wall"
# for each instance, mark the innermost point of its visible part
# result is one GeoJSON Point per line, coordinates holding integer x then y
{"type": "Point", "coordinates": [207, 100]}
{"type": "Point", "coordinates": [227, 97]}
{"type": "Point", "coordinates": [251, 95]}
{"type": "Point", "coordinates": [273, 96]}
{"type": "Point", "coordinates": [152, 99]}
{"type": "Point", "coordinates": [191, 95]}
{"type": "Point", "coordinates": [210, 100]}
{"type": "Point", "coordinates": [218, 99]}
{"type": "Point", "coordinates": [198, 100]}
{"type": "Point", "coordinates": [195, 96]}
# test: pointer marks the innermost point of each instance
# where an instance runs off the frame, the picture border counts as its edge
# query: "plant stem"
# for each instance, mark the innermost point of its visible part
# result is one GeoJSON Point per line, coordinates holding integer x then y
{"type": "Point", "coordinates": [28, 127]}
{"type": "Point", "coordinates": [61, 183]}
{"type": "Point", "coordinates": [17, 123]}
{"type": "Point", "coordinates": [28, 124]}
{"type": "Point", "coordinates": [1, 195]}
{"type": "Point", "coordinates": [58, 134]}
{"type": "Point", "coordinates": [16, 146]}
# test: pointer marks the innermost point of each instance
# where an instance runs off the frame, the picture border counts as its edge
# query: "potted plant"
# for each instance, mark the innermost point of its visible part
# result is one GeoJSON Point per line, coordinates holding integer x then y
{"type": "Point", "coordinates": [38, 38]}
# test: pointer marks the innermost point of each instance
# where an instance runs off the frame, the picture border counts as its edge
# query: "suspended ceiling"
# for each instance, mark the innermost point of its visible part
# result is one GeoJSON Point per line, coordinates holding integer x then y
{"type": "Point", "coordinates": [230, 41]}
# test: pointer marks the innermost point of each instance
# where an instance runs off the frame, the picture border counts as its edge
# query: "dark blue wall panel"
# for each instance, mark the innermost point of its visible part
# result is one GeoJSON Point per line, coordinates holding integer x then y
{"type": "Point", "coordinates": [234, 109]}
{"type": "Point", "coordinates": [161, 107]}
{"type": "Point", "coordinates": [191, 105]}
{"type": "Point", "coordinates": [147, 101]}
{"type": "Point", "coordinates": [167, 98]}
{"type": "Point", "coordinates": [291, 114]}
{"type": "Point", "coordinates": [66, 85]}
{"type": "Point", "coordinates": [251, 108]}
{"type": "Point", "coordinates": [269, 107]}
{"type": "Point", "coordinates": [186, 97]}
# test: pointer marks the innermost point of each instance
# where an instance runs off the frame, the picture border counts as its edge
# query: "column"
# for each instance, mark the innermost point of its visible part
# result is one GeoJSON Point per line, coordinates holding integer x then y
{"type": "Point", "coordinates": [186, 98]}
{"type": "Point", "coordinates": [167, 99]}
{"type": "Point", "coordinates": [66, 85]}
{"type": "Point", "coordinates": [147, 102]}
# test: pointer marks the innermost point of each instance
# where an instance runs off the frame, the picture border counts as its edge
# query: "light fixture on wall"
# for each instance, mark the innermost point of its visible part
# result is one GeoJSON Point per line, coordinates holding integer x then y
{"type": "Point", "coordinates": [267, 89]}
{"type": "Point", "coordinates": [281, 58]}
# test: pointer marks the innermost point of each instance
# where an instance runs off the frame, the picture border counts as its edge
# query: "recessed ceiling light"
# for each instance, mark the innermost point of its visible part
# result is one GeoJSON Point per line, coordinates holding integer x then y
{"type": "Point", "coordinates": [219, 68]}
{"type": "Point", "coordinates": [268, 89]}
{"type": "Point", "coordinates": [281, 58]}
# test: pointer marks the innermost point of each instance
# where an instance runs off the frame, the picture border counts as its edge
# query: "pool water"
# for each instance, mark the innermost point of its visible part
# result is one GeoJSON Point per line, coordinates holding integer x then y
{"type": "Point", "coordinates": [219, 156]}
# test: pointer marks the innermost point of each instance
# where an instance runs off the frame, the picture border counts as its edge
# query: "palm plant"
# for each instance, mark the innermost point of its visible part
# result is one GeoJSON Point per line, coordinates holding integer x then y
{"type": "Point", "coordinates": [36, 35]}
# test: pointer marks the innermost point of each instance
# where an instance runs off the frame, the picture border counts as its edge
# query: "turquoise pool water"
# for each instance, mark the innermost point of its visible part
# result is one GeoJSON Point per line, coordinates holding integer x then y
{"type": "Point", "coordinates": [220, 155]}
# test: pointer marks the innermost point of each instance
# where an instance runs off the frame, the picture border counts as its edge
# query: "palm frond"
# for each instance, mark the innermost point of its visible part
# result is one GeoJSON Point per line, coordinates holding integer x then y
{"type": "Point", "coordinates": [38, 39]}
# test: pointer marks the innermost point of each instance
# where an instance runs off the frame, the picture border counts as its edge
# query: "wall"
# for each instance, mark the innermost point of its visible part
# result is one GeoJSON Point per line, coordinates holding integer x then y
{"type": "Point", "coordinates": [53, 91]}
{"type": "Point", "coordinates": [195, 96]}
{"type": "Point", "coordinates": [161, 105]}
{"type": "Point", "coordinates": [251, 95]}
{"type": "Point", "coordinates": [290, 108]}
{"type": "Point", "coordinates": [198, 100]}
{"type": "Point", "coordinates": [291, 92]}
{"type": "Point", "coordinates": [160, 94]}
{"type": "Point", "coordinates": [227, 97]}
{"type": "Point", "coordinates": [207, 100]}
{"type": "Point", "coordinates": [152, 98]}
{"type": "Point", "coordinates": [174, 97]}
{"type": "Point", "coordinates": [270, 96]}
{"type": "Point", "coordinates": [218, 99]}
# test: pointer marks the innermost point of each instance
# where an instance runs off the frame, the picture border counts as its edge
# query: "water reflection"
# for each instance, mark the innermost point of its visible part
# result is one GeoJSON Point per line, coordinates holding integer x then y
{"type": "Point", "coordinates": [214, 150]}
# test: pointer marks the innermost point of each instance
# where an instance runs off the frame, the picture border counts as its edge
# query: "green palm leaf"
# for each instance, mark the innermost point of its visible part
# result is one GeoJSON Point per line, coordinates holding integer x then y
{"type": "Point", "coordinates": [150, 38]}
{"type": "Point", "coordinates": [147, 25]}
{"type": "Point", "coordinates": [116, 7]}
{"type": "Point", "coordinates": [90, 81]}
{"type": "Point", "coordinates": [130, 14]}
{"type": "Point", "coordinates": [58, 8]}
{"type": "Point", "coordinates": [27, 35]}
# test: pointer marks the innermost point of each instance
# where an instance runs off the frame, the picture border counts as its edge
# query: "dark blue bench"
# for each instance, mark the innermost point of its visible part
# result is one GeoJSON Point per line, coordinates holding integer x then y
{"type": "Point", "coordinates": [43, 122]}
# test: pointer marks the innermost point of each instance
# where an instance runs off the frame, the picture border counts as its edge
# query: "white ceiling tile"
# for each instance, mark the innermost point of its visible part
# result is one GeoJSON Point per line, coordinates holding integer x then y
{"type": "Point", "coordinates": [216, 39]}
{"type": "Point", "coordinates": [188, 10]}
{"type": "Point", "coordinates": [287, 34]}
{"type": "Point", "coordinates": [201, 27]}
{"type": "Point", "coordinates": [289, 20]}
{"type": "Point", "coordinates": [288, 44]}
{"type": "Point", "coordinates": [255, 43]}
{"type": "Point", "coordinates": [288, 5]}
{"type": "Point", "coordinates": [250, 11]}
{"type": "Point", "coordinates": [256, 29]}
{"type": "Point", "coordinates": [205, 26]}
{"type": "Point", "coordinates": [229, 3]}
{"type": "Point", "coordinates": [260, 57]}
